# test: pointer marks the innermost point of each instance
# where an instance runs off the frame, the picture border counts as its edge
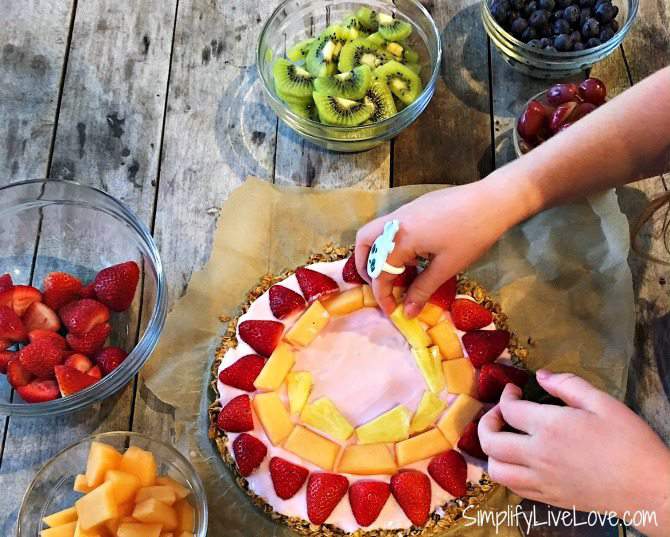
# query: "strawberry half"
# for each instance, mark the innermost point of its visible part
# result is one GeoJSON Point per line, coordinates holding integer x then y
{"type": "Point", "coordinates": [11, 325]}
{"type": "Point", "coordinates": [494, 377]}
{"type": "Point", "coordinates": [236, 417]}
{"type": "Point", "coordinates": [17, 375]}
{"type": "Point", "coordinates": [324, 492]}
{"type": "Point", "coordinates": [5, 343]}
{"type": "Point", "coordinates": [40, 358]}
{"type": "Point", "coordinates": [95, 372]}
{"type": "Point", "coordinates": [287, 478]}
{"type": "Point", "coordinates": [71, 380]}
{"type": "Point", "coordinates": [83, 315]}
{"type": "Point", "coordinates": [109, 358]}
{"type": "Point", "coordinates": [6, 283]}
{"type": "Point", "coordinates": [367, 499]}
{"type": "Point", "coordinates": [39, 391]}
{"type": "Point", "coordinates": [53, 337]}
{"type": "Point", "coordinates": [39, 316]}
{"type": "Point", "coordinates": [78, 362]}
{"type": "Point", "coordinates": [262, 336]}
{"type": "Point", "coordinates": [450, 471]}
{"type": "Point", "coordinates": [446, 294]}
{"type": "Point", "coordinates": [90, 342]}
{"type": "Point", "coordinates": [468, 315]}
{"type": "Point", "coordinates": [315, 285]}
{"type": "Point", "coordinates": [284, 302]}
{"type": "Point", "coordinates": [88, 291]}
{"type": "Point", "coordinates": [406, 278]}
{"type": "Point", "coordinates": [22, 297]}
{"type": "Point", "coordinates": [242, 374]}
{"type": "Point", "coordinates": [469, 441]}
{"type": "Point", "coordinates": [115, 286]}
{"type": "Point", "coordinates": [411, 489]}
{"type": "Point", "coordinates": [249, 453]}
{"type": "Point", "coordinates": [5, 358]}
{"type": "Point", "coordinates": [60, 288]}
{"type": "Point", "coordinates": [350, 272]}
{"type": "Point", "coordinates": [485, 346]}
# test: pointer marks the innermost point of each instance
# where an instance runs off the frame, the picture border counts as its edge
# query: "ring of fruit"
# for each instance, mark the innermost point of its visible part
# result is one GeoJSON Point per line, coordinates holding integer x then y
{"type": "Point", "coordinates": [321, 396]}
{"type": "Point", "coordinates": [360, 71]}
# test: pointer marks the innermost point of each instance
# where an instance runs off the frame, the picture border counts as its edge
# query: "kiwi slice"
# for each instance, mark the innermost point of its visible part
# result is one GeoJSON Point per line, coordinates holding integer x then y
{"type": "Point", "coordinates": [292, 80]}
{"type": "Point", "coordinates": [322, 55]}
{"type": "Point", "coordinates": [305, 109]}
{"type": "Point", "coordinates": [341, 112]}
{"type": "Point", "coordinates": [402, 53]}
{"type": "Point", "coordinates": [361, 52]}
{"type": "Point", "coordinates": [353, 27]}
{"type": "Point", "coordinates": [380, 97]}
{"type": "Point", "coordinates": [299, 51]}
{"type": "Point", "coordinates": [367, 18]}
{"type": "Point", "coordinates": [350, 84]}
{"type": "Point", "coordinates": [393, 29]}
{"type": "Point", "coordinates": [404, 83]}
{"type": "Point", "coordinates": [377, 40]}
{"type": "Point", "coordinates": [416, 67]}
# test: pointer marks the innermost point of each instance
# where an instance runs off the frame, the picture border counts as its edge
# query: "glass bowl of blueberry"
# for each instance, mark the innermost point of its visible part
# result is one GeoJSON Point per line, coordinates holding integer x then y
{"type": "Point", "coordinates": [557, 38]}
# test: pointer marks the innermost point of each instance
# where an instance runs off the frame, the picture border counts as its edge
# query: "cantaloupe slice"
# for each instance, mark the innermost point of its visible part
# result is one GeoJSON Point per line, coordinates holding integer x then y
{"type": "Point", "coordinates": [370, 459]}
{"type": "Point", "coordinates": [180, 490]}
{"type": "Point", "coordinates": [444, 335]}
{"type": "Point", "coordinates": [460, 376]}
{"type": "Point", "coordinates": [369, 300]}
{"type": "Point", "coordinates": [61, 530]}
{"type": "Point", "coordinates": [185, 534]}
{"type": "Point", "coordinates": [308, 326]}
{"type": "Point", "coordinates": [185, 516]}
{"type": "Point", "coordinates": [345, 302]}
{"type": "Point", "coordinates": [312, 447]}
{"type": "Point", "coordinates": [81, 484]}
{"type": "Point", "coordinates": [162, 493]}
{"type": "Point", "coordinates": [276, 368]}
{"type": "Point", "coordinates": [457, 416]}
{"type": "Point", "coordinates": [97, 507]}
{"type": "Point", "coordinates": [141, 463]}
{"type": "Point", "coordinates": [61, 517]}
{"type": "Point", "coordinates": [93, 532]}
{"type": "Point", "coordinates": [125, 485]}
{"type": "Point", "coordinates": [154, 512]}
{"type": "Point", "coordinates": [101, 458]}
{"type": "Point", "coordinates": [421, 447]}
{"type": "Point", "coordinates": [430, 314]}
{"type": "Point", "coordinates": [124, 511]}
{"type": "Point", "coordinates": [273, 416]}
{"type": "Point", "coordinates": [135, 529]}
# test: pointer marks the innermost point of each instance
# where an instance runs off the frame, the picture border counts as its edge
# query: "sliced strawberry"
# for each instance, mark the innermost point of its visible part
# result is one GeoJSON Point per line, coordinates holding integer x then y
{"type": "Point", "coordinates": [469, 441]}
{"type": "Point", "coordinates": [39, 316]}
{"type": "Point", "coordinates": [17, 375]}
{"type": "Point", "coordinates": [95, 372]}
{"type": "Point", "coordinates": [445, 294]}
{"type": "Point", "coordinates": [287, 478]}
{"type": "Point", "coordinates": [406, 278]}
{"type": "Point", "coordinates": [90, 342]}
{"type": "Point", "coordinates": [284, 302]}
{"type": "Point", "coordinates": [494, 377]}
{"type": "Point", "coordinates": [5, 343]}
{"type": "Point", "coordinates": [485, 346]}
{"type": "Point", "coordinates": [40, 358]}
{"type": "Point", "coordinates": [56, 339]}
{"type": "Point", "coordinates": [11, 326]}
{"type": "Point", "coordinates": [262, 336]}
{"type": "Point", "coordinates": [78, 362]}
{"type": "Point", "coordinates": [450, 471]}
{"type": "Point", "coordinates": [350, 272]}
{"type": "Point", "coordinates": [5, 358]}
{"type": "Point", "coordinates": [88, 291]}
{"type": "Point", "coordinates": [324, 492]}
{"type": "Point", "coordinates": [367, 499]}
{"type": "Point", "coordinates": [242, 374]}
{"type": "Point", "coordinates": [23, 296]}
{"type": "Point", "coordinates": [110, 358]}
{"type": "Point", "coordinates": [60, 288]}
{"type": "Point", "coordinates": [39, 391]}
{"type": "Point", "coordinates": [236, 417]}
{"type": "Point", "coordinates": [468, 315]}
{"type": "Point", "coordinates": [83, 315]}
{"type": "Point", "coordinates": [71, 380]}
{"type": "Point", "coordinates": [6, 283]}
{"type": "Point", "coordinates": [411, 489]}
{"type": "Point", "coordinates": [115, 286]}
{"type": "Point", "coordinates": [315, 285]}
{"type": "Point", "coordinates": [249, 453]}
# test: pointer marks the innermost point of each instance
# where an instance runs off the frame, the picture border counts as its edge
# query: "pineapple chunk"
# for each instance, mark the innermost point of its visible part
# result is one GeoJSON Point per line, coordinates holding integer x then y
{"type": "Point", "coordinates": [276, 368]}
{"type": "Point", "coordinates": [61, 517]}
{"type": "Point", "coordinates": [421, 447]}
{"type": "Point", "coordinates": [431, 369]}
{"type": "Point", "coordinates": [369, 300]}
{"type": "Point", "coordinates": [346, 302]}
{"type": "Point", "coordinates": [460, 376]}
{"type": "Point", "coordinates": [429, 409]}
{"type": "Point", "coordinates": [125, 485]}
{"type": "Point", "coordinates": [140, 463]}
{"type": "Point", "coordinates": [154, 512]}
{"type": "Point", "coordinates": [458, 415]}
{"type": "Point", "coordinates": [180, 490]}
{"type": "Point", "coordinates": [435, 352]}
{"type": "Point", "coordinates": [324, 416]}
{"type": "Point", "coordinates": [101, 457]}
{"type": "Point", "coordinates": [410, 328]}
{"type": "Point", "coordinates": [312, 447]}
{"type": "Point", "coordinates": [97, 507]}
{"type": "Point", "coordinates": [136, 529]}
{"type": "Point", "coordinates": [185, 516]}
{"type": "Point", "coordinates": [444, 335]}
{"type": "Point", "coordinates": [391, 426]}
{"type": "Point", "coordinates": [162, 493]}
{"type": "Point", "coordinates": [308, 326]}
{"type": "Point", "coordinates": [61, 530]}
{"type": "Point", "coordinates": [370, 459]}
{"type": "Point", "coordinates": [399, 294]}
{"type": "Point", "coordinates": [273, 416]}
{"type": "Point", "coordinates": [430, 314]}
{"type": "Point", "coordinates": [81, 484]}
{"type": "Point", "coordinates": [299, 385]}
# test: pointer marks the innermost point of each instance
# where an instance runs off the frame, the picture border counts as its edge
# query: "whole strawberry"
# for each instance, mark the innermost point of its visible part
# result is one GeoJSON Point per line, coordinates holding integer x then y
{"type": "Point", "coordinates": [324, 492]}
{"type": "Point", "coordinates": [242, 374]}
{"type": "Point", "coordinates": [115, 286]}
{"type": "Point", "coordinates": [236, 415]}
{"type": "Point", "coordinates": [249, 453]}
{"type": "Point", "coordinates": [60, 288]}
{"type": "Point", "coordinates": [468, 315]}
{"type": "Point", "coordinates": [469, 441]}
{"type": "Point", "coordinates": [411, 489]}
{"type": "Point", "coordinates": [40, 358]}
{"type": "Point", "coordinates": [83, 315]}
{"type": "Point", "coordinates": [350, 272]}
{"type": "Point", "coordinates": [315, 285]}
{"type": "Point", "coordinates": [485, 346]}
{"type": "Point", "coordinates": [287, 478]}
{"type": "Point", "coordinates": [367, 499]}
{"type": "Point", "coordinates": [284, 302]}
{"type": "Point", "coordinates": [109, 358]}
{"type": "Point", "coordinates": [493, 378]}
{"type": "Point", "coordinates": [262, 336]}
{"type": "Point", "coordinates": [450, 471]}
{"type": "Point", "coordinates": [445, 294]}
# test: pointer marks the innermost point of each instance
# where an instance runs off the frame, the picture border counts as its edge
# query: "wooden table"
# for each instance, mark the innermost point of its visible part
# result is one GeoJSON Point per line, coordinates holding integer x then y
{"type": "Point", "coordinates": [158, 103]}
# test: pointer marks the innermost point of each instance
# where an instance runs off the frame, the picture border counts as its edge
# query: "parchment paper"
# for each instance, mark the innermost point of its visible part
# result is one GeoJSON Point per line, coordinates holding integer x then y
{"type": "Point", "coordinates": [562, 278]}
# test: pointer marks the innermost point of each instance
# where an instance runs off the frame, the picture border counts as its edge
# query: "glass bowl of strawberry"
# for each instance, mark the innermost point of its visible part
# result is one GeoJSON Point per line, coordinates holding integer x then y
{"type": "Point", "coordinates": [82, 297]}
{"type": "Point", "coordinates": [555, 110]}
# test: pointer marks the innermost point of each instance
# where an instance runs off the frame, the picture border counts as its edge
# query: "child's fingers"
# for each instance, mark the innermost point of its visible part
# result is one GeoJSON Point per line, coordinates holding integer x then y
{"type": "Point", "coordinates": [523, 415]}
{"type": "Point", "coordinates": [438, 271]}
{"type": "Point", "coordinates": [364, 239]}
{"type": "Point", "coordinates": [502, 445]}
{"type": "Point", "coordinates": [382, 287]}
{"type": "Point", "coordinates": [513, 476]}
{"type": "Point", "coordinates": [573, 390]}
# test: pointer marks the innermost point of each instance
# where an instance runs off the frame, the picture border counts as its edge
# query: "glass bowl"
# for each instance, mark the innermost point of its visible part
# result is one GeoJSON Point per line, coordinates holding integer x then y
{"type": "Point", "coordinates": [51, 225]}
{"type": "Point", "coordinates": [51, 489]}
{"type": "Point", "coordinates": [540, 63]}
{"type": "Point", "coordinates": [295, 20]}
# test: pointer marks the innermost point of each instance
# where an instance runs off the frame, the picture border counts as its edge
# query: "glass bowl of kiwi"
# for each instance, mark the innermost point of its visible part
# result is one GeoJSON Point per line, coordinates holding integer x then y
{"type": "Point", "coordinates": [348, 75]}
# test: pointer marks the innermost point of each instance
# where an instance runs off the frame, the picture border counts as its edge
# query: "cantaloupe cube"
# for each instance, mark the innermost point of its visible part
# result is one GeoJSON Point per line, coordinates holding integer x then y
{"type": "Point", "coordinates": [97, 506]}
{"type": "Point", "coordinates": [345, 302]}
{"type": "Point", "coordinates": [154, 512]}
{"type": "Point", "coordinates": [273, 416]}
{"type": "Point", "coordinates": [276, 368]}
{"type": "Point", "coordinates": [369, 300]}
{"type": "Point", "coordinates": [430, 314]}
{"type": "Point", "coordinates": [429, 409]}
{"type": "Point", "coordinates": [62, 530]}
{"type": "Point", "coordinates": [125, 485]}
{"type": "Point", "coordinates": [185, 534]}
{"type": "Point", "coordinates": [444, 335]}
{"type": "Point", "coordinates": [93, 532]}
{"type": "Point", "coordinates": [61, 517]}
{"type": "Point", "coordinates": [167, 534]}
{"type": "Point", "coordinates": [101, 457]}
{"type": "Point", "coordinates": [370, 459]}
{"type": "Point", "coordinates": [392, 426]}
{"type": "Point", "coordinates": [135, 529]}
{"type": "Point", "coordinates": [457, 416]}
{"type": "Point", "coordinates": [324, 416]}
{"type": "Point", "coordinates": [180, 490]}
{"type": "Point", "coordinates": [162, 493]}
{"type": "Point", "coordinates": [141, 463]}
{"type": "Point", "coordinates": [460, 376]}
{"type": "Point", "coordinates": [431, 369]}
{"type": "Point", "coordinates": [124, 511]}
{"type": "Point", "coordinates": [81, 484]}
{"type": "Point", "coordinates": [421, 447]}
{"type": "Point", "coordinates": [414, 333]}
{"type": "Point", "coordinates": [298, 386]}
{"type": "Point", "coordinates": [185, 516]}
{"type": "Point", "coordinates": [312, 447]}
{"type": "Point", "coordinates": [308, 325]}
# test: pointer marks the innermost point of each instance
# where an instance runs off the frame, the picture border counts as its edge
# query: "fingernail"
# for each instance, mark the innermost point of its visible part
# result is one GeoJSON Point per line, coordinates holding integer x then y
{"type": "Point", "coordinates": [543, 374]}
{"type": "Point", "coordinates": [412, 309]}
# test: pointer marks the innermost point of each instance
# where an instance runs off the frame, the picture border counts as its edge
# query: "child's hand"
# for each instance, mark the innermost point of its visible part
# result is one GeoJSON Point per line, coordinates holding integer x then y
{"type": "Point", "coordinates": [595, 454]}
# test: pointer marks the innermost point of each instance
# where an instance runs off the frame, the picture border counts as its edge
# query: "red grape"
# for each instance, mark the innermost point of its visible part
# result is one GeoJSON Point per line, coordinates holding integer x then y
{"type": "Point", "coordinates": [581, 110]}
{"type": "Point", "coordinates": [531, 121]}
{"type": "Point", "coordinates": [561, 115]}
{"type": "Point", "coordinates": [593, 91]}
{"type": "Point", "coordinates": [562, 93]}
{"type": "Point", "coordinates": [565, 126]}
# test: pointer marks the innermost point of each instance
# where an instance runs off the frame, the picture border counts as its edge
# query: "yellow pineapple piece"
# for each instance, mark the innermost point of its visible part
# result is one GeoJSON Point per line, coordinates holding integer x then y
{"type": "Point", "coordinates": [66, 529]}
{"type": "Point", "coordinates": [162, 493]}
{"type": "Point", "coordinates": [370, 459]}
{"type": "Point", "coordinates": [125, 485]}
{"type": "Point", "coordinates": [324, 416]}
{"type": "Point", "coordinates": [61, 517]}
{"type": "Point", "coordinates": [444, 335]}
{"type": "Point", "coordinates": [185, 516]}
{"type": "Point", "coordinates": [97, 507]}
{"type": "Point", "coordinates": [141, 463]}
{"type": "Point", "coordinates": [410, 328]}
{"type": "Point", "coordinates": [429, 409]}
{"type": "Point", "coordinates": [137, 529]}
{"type": "Point", "coordinates": [435, 353]}
{"type": "Point", "coordinates": [392, 426]}
{"type": "Point", "coordinates": [345, 302]}
{"type": "Point", "coordinates": [369, 300]}
{"type": "Point", "coordinates": [276, 368]}
{"type": "Point", "coordinates": [180, 490]}
{"type": "Point", "coordinates": [399, 294]}
{"type": "Point", "coordinates": [458, 415]}
{"type": "Point", "coordinates": [101, 457]}
{"type": "Point", "coordinates": [312, 447]}
{"type": "Point", "coordinates": [154, 512]}
{"type": "Point", "coordinates": [299, 385]}
{"type": "Point", "coordinates": [430, 368]}
{"type": "Point", "coordinates": [421, 447]}
{"type": "Point", "coordinates": [273, 416]}
{"type": "Point", "coordinates": [308, 326]}
{"type": "Point", "coordinates": [81, 484]}
{"type": "Point", "coordinates": [430, 314]}
{"type": "Point", "coordinates": [460, 376]}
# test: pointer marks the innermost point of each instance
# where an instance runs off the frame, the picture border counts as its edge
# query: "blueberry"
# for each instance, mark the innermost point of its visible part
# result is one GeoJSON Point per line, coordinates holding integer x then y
{"type": "Point", "coordinates": [564, 3]}
{"type": "Point", "coordinates": [545, 30]}
{"type": "Point", "coordinates": [550, 49]}
{"type": "Point", "coordinates": [549, 5]}
{"type": "Point", "coordinates": [584, 15]}
{"type": "Point", "coordinates": [606, 34]}
{"type": "Point", "coordinates": [519, 25]}
{"type": "Point", "coordinates": [571, 14]}
{"type": "Point", "coordinates": [545, 42]}
{"type": "Point", "coordinates": [576, 36]}
{"type": "Point", "coordinates": [593, 42]}
{"type": "Point", "coordinates": [598, 2]}
{"type": "Point", "coordinates": [586, 3]}
{"type": "Point", "coordinates": [606, 12]}
{"type": "Point", "coordinates": [518, 4]}
{"type": "Point", "coordinates": [591, 28]}
{"type": "Point", "coordinates": [578, 46]}
{"type": "Point", "coordinates": [535, 43]}
{"type": "Point", "coordinates": [539, 18]}
{"type": "Point", "coordinates": [528, 34]}
{"type": "Point", "coordinates": [500, 12]}
{"type": "Point", "coordinates": [530, 7]}
{"type": "Point", "coordinates": [563, 43]}
{"type": "Point", "coordinates": [558, 14]}
{"type": "Point", "coordinates": [561, 26]}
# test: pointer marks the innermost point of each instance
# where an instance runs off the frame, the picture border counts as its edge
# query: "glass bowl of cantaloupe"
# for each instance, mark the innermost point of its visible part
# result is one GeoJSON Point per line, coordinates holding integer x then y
{"type": "Point", "coordinates": [118, 484]}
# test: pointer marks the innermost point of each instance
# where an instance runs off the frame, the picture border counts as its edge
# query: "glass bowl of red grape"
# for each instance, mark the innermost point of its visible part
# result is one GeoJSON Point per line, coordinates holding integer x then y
{"type": "Point", "coordinates": [555, 110]}
{"type": "Point", "coordinates": [557, 38]}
